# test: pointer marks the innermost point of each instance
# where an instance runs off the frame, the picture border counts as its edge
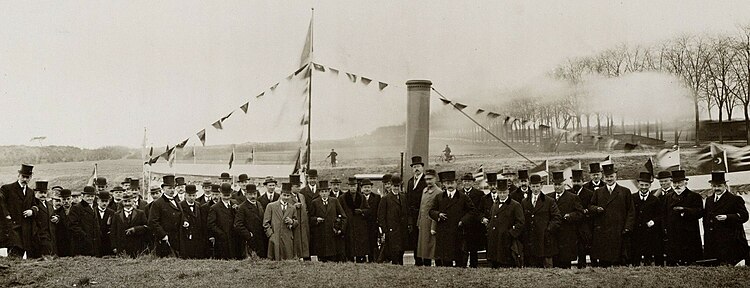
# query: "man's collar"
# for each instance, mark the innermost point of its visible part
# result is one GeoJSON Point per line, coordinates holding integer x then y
{"type": "Point", "coordinates": [19, 183]}
{"type": "Point", "coordinates": [611, 186]}
{"type": "Point", "coordinates": [128, 210]}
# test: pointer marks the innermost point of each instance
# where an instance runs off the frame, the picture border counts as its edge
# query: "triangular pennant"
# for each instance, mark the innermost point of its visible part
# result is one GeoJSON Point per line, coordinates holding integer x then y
{"type": "Point", "coordinates": [274, 86]}
{"type": "Point", "coordinates": [182, 145]}
{"type": "Point", "coordinates": [289, 77]}
{"type": "Point", "coordinates": [493, 115]}
{"type": "Point", "coordinates": [153, 160]}
{"type": "Point", "coordinates": [304, 120]}
{"type": "Point", "coordinates": [480, 111]}
{"type": "Point", "coordinates": [261, 94]}
{"type": "Point", "coordinates": [244, 107]}
{"type": "Point", "coordinates": [319, 67]}
{"type": "Point", "coordinates": [307, 73]}
{"type": "Point", "coordinates": [352, 77]}
{"type": "Point", "coordinates": [217, 125]}
{"type": "Point", "coordinates": [300, 69]}
{"type": "Point", "coordinates": [382, 85]}
{"type": "Point", "coordinates": [334, 70]}
{"type": "Point", "coordinates": [445, 101]}
{"type": "Point", "coordinates": [202, 136]}
{"type": "Point", "coordinates": [459, 106]}
{"type": "Point", "coordinates": [226, 117]}
{"type": "Point", "coordinates": [366, 81]}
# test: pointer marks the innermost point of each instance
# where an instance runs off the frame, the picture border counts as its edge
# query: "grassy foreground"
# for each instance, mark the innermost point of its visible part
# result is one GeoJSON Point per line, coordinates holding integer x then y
{"type": "Point", "coordinates": [85, 271]}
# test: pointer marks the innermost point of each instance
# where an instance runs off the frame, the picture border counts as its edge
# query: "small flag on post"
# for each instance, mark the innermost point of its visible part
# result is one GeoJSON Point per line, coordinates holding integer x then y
{"type": "Point", "coordinates": [649, 166]}
{"type": "Point", "coordinates": [540, 169]}
{"type": "Point", "coordinates": [201, 136]}
{"type": "Point", "coordinates": [231, 159]}
{"type": "Point", "coordinates": [92, 178]}
{"type": "Point", "coordinates": [607, 160]}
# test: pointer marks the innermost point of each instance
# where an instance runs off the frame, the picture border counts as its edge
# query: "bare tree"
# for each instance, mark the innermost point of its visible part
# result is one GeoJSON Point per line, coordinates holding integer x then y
{"type": "Point", "coordinates": [719, 82]}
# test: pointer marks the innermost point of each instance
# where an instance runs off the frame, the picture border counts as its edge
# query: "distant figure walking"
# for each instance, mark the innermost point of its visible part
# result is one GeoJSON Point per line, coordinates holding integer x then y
{"type": "Point", "coordinates": [333, 155]}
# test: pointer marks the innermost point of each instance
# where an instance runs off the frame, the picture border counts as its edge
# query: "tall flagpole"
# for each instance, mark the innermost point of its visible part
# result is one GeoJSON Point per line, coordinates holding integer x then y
{"type": "Point", "coordinates": [309, 90]}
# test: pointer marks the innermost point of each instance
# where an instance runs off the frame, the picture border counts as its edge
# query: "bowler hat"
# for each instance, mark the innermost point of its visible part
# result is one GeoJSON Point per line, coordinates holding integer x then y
{"type": "Point", "coordinates": [251, 188]}
{"type": "Point", "coordinates": [577, 175]}
{"type": "Point", "coordinates": [523, 174]}
{"type": "Point", "coordinates": [447, 176]}
{"type": "Point", "coordinates": [90, 190]}
{"type": "Point", "coordinates": [312, 173]}
{"type": "Point", "coordinates": [191, 189]}
{"type": "Point", "coordinates": [535, 179]}
{"type": "Point", "coordinates": [491, 178]}
{"type": "Point", "coordinates": [126, 181]}
{"type": "Point", "coordinates": [167, 180]}
{"type": "Point", "coordinates": [502, 184]}
{"type": "Point", "coordinates": [40, 186]}
{"type": "Point", "coordinates": [117, 188]}
{"type": "Point", "coordinates": [507, 171]}
{"type": "Point", "coordinates": [678, 175]}
{"type": "Point", "coordinates": [135, 183]}
{"type": "Point", "coordinates": [387, 177]}
{"type": "Point", "coordinates": [335, 180]}
{"type": "Point", "coordinates": [101, 181]}
{"type": "Point", "coordinates": [645, 177]}
{"type": "Point", "coordinates": [26, 169]}
{"type": "Point", "coordinates": [226, 189]}
{"type": "Point", "coordinates": [718, 177]}
{"type": "Point", "coordinates": [396, 180]}
{"type": "Point", "coordinates": [215, 188]}
{"type": "Point", "coordinates": [104, 196]}
{"type": "Point", "coordinates": [352, 181]}
{"type": "Point", "coordinates": [294, 179]}
{"type": "Point", "coordinates": [180, 180]}
{"type": "Point", "coordinates": [57, 187]}
{"type": "Point", "coordinates": [225, 175]}
{"type": "Point", "coordinates": [663, 175]}
{"type": "Point", "coordinates": [430, 172]}
{"type": "Point", "coordinates": [416, 160]}
{"type": "Point", "coordinates": [206, 184]}
{"type": "Point", "coordinates": [322, 185]}
{"type": "Point", "coordinates": [128, 196]}
{"type": "Point", "coordinates": [608, 169]}
{"type": "Point", "coordinates": [154, 190]}
{"type": "Point", "coordinates": [270, 179]}
{"type": "Point", "coordinates": [467, 177]}
{"type": "Point", "coordinates": [65, 193]}
{"type": "Point", "coordinates": [242, 178]}
{"type": "Point", "coordinates": [366, 182]}
{"type": "Point", "coordinates": [595, 168]}
{"type": "Point", "coordinates": [558, 177]}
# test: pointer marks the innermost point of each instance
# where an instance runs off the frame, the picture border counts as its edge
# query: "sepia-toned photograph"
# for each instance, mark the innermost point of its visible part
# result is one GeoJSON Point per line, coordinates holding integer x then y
{"type": "Point", "coordinates": [374, 143]}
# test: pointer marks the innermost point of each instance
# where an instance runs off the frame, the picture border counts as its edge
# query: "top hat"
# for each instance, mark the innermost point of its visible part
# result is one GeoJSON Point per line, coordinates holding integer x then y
{"type": "Point", "coordinates": [447, 176]}
{"type": "Point", "coordinates": [492, 178]}
{"type": "Point", "coordinates": [387, 177]}
{"type": "Point", "coordinates": [135, 183]}
{"type": "Point", "coordinates": [225, 175]}
{"type": "Point", "coordinates": [353, 181]}
{"type": "Point", "coordinates": [101, 181]}
{"type": "Point", "coordinates": [608, 169]}
{"type": "Point", "coordinates": [595, 168]}
{"type": "Point", "coordinates": [168, 180]}
{"type": "Point", "coordinates": [126, 181]}
{"type": "Point", "coordinates": [577, 175]}
{"type": "Point", "coordinates": [645, 177]}
{"type": "Point", "coordinates": [366, 182]}
{"type": "Point", "coordinates": [251, 188]}
{"type": "Point", "coordinates": [467, 177]}
{"type": "Point", "coordinates": [663, 175]}
{"type": "Point", "coordinates": [180, 180]}
{"type": "Point", "coordinates": [678, 175]}
{"type": "Point", "coordinates": [322, 185]}
{"type": "Point", "coordinates": [215, 188]}
{"type": "Point", "coordinates": [335, 180]}
{"type": "Point", "coordinates": [535, 179]}
{"type": "Point", "coordinates": [117, 188]}
{"type": "Point", "coordinates": [242, 178]}
{"type": "Point", "coordinates": [226, 189]}
{"type": "Point", "coordinates": [270, 179]}
{"type": "Point", "coordinates": [718, 177]}
{"type": "Point", "coordinates": [502, 184]}
{"type": "Point", "coordinates": [65, 193]}
{"type": "Point", "coordinates": [104, 196]}
{"type": "Point", "coordinates": [26, 169]}
{"type": "Point", "coordinates": [286, 187]}
{"type": "Point", "coordinates": [523, 174]}
{"type": "Point", "coordinates": [190, 189]}
{"type": "Point", "coordinates": [558, 177]}
{"type": "Point", "coordinates": [41, 186]}
{"type": "Point", "coordinates": [89, 190]}
{"type": "Point", "coordinates": [416, 160]}
{"type": "Point", "coordinates": [430, 172]}
{"type": "Point", "coordinates": [507, 171]}
{"type": "Point", "coordinates": [312, 173]}
{"type": "Point", "coordinates": [396, 180]}
{"type": "Point", "coordinates": [294, 179]}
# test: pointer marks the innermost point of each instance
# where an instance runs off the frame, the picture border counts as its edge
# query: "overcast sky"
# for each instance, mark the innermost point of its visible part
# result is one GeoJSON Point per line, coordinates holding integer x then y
{"type": "Point", "coordinates": [95, 73]}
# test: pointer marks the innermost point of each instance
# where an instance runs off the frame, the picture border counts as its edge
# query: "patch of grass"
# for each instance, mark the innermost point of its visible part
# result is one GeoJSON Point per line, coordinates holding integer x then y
{"type": "Point", "coordinates": [84, 271]}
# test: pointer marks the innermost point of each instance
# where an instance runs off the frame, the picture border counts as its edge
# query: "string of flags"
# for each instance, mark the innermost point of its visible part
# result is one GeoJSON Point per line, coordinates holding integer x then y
{"type": "Point", "coordinates": [352, 77]}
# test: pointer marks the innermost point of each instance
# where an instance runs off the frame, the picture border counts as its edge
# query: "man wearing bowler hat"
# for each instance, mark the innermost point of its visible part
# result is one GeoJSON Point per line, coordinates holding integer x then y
{"type": "Point", "coordinates": [302, 231]}
{"type": "Point", "coordinates": [505, 225]}
{"type": "Point", "coordinates": [125, 184]}
{"type": "Point", "coordinates": [225, 178]}
{"type": "Point", "coordinates": [414, 188]}
{"type": "Point", "coordinates": [725, 213]}
{"type": "Point", "coordinates": [571, 213]}
{"type": "Point", "coordinates": [473, 229]}
{"type": "Point", "coordinates": [665, 184]}
{"type": "Point", "coordinates": [523, 187]}
{"type": "Point", "coordinates": [586, 225]}
{"type": "Point", "coordinates": [18, 198]}
{"type": "Point", "coordinates": [595, 173]}
{"type": "Point", "coordinates": [647, 232]}
{"type": "Point", "coordinates": [452, 210]}
{"type": "Point", "coordinates": [165, 220]}
{"type": "Point", "coordinates": [271, 195]}
{"type": "Point", "coordinates": [221, 223]}
{"type": "Point", "coordinates": [130, 235]}
{"type": "Point", "coordinates": [101, 184]}
{"type": "Point", "coordinates": [249, 223]}
{"type": "Point", "coordinates": [542, 220]}
{"type": "Point", "coordinates": [426, 226]}
{"type": "Point", "coordinates": [373, 201]}
{"type": "Point", "coordinates": [310, 190]}
{"type": "Point", "coordinates": [239, 195]}
{"type": "Point", "coordinates": [193, 237]}
{"type": "Point", "coordinates": [84, 225]}
{"type": "Point", "coordinates": [613, 215]}
{"type": "Point", "coordinates": [683, 209]}
{"type": "Point", "coordinates": [392, 218]}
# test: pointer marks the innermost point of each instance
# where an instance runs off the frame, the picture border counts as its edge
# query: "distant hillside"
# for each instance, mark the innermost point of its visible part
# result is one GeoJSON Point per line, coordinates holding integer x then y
{"type": "Point", "coordinates": [12, 155]}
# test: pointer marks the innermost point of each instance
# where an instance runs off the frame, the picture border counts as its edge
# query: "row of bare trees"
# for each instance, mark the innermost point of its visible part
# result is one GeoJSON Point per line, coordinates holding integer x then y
{"type": "Point", "coordinates": [715, 69]}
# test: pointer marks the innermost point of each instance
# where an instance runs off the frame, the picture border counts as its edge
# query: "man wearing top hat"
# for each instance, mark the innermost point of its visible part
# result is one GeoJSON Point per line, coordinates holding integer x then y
{"type": "Point", "coordinates": [125, 184]}
{"type": "Point", "coordinates": [542, 221]}
{"type": "Point", "coordinates": [613, 216]}
{"type": "Point", "coordinates": [414, 188]}
{"type": "Point", "coordinates": [682, 210]}
{"type": "Point", "coordinates": [425, 225]}
{"type": "Point", "coordinates": [512, 178]}
{"type": "Point", "coordinates": [84, 225]}
{"type": "Point", "coordinates": [571, 212]}
{"type": "Point", "coordinates": [104, 216]}
{"type": "Point", "coordinates": [310, 190]}
{"type": "Point", "coordinates": [586, 225]}
{"type": "Point", "coordinates": [393, 221]}
{"type": "Point", "coordinates": [595, 173]}
{"type": "Point", "coordinates": [523, 187]}
{"type": "Point", "coordinates": [179, 188]}
{"type": "Point", "coordinates": [43, 233]}
{"type": "Point", "coordinates": [63, 237]}
{"type": "Point", "coordinates": [270, 184]}
{"type": "Point", "coordinates": [249, 223]}
{"type": "Point", "coordinates": [647, 240]}
{"type": "Point", "coordinates": [279, 222]}
{"type": "Point", "coordinates": [336, 186]}
{"type": "Point", "coordinates": [193, 237]}
{"type": "Point", "coordinates": [386, 183]}
{"type": "Point", "coordinates": [130, 234]}
{"type": "Point", "coordinates": [165, 219]}
{"type": "Point", "coordinates": [725, 213]}
{"type": "Point", "coordinates": [356, 233]}
{"type": "Point", "coordinates": [373, 230]}
{"type": "Point", "coordinates": [135, 191]}
{"type": "Point", "coordinates": [452, 210]}
{"type": "Point", "coordinates": [239, 195]}
{"type": "Point", "coordinates": [474, 230]}
{"type": "Point", "coordinates": [665, 184]}
{"type": "Point", "coordinates": [505, 224]}
{"type": "Point", "coordinates": [213, 198]}
{"type": "Point", "coordinates": [221, 223]}
{"type": "Point", "coordinates": [18, 199]}
{"type": "Point", "coordinates": [302, 231]}
{"type": "Point", "coordinates": [326, 235]}
{"type": "Point", "coordinates": [114, 201]}
{"type": "Point", "coordinates": [490, 198]}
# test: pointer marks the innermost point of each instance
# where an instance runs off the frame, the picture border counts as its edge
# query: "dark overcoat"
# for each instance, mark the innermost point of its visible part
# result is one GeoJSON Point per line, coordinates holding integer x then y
{"type": "Point", "coordinates": [324, 239]}
{"type": "Point", "coordinates": [392, 218]}
{"type": "Point", "coordinates": [647, 240]}
{"type": "Point", "coordinates": [682, 232]}
{"type": "Point", "coordinates": [474, 229]}
{"type": "Point", "coordinates": [567, 235]}
{"type": "Point", "coordinates": [541, 225]}
{"type": "Point", "coordinates": [449, 240]}
{"type": "Point", "coordinates": [221, 223]}
{"type": "Point", "coordinates": [506, 226]}
{"type": "Point", "coordinates": [193, 238]}
{"type": "Point", "coordinates": [15, 203]}
{"type": "Point", "coordinates": [609, 239]}
{"type": "Point", "coordinates": [166, 219]}
{"type": "Point", "coordinates": [135, 243]}
{"type": "Point", "coordinates": [84, 228]}
{"type": "Point", "coordinates": [357, 212]}
{"type": "Point", "coordinates": [725, 240]}
{"type": "Point", "coordinates": [249, 224]}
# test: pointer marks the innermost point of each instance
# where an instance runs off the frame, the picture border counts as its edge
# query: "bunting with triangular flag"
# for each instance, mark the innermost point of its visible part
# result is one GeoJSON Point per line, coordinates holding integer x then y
{"type": "Point", "coordinates": [334, 70]}
{"type": "Point", "coordinates": [459, 106]}
{"type": "Point", "coordinates": [352, 77]}
{"type": "Point", "coordinates": [445, 101]}
{"type": "Point", "coordinates": [202, 136]}
{"type": "Point", "coordinates": [244, 107]}
{"type": "Point", "coordinates": [182, 144]}
{"type": "Point", "coordinates": [365, 81]}
{"type": "Point", "coordinates": [319, 67]}
{"type": "Point", "coordinates": [492, 115]}
{"type": "Point", "coordinates": [300, 69]}
{"type": "Point", "coordinates": [261, 94]}
{"type": "Point", "coordinates": [226, 117]}
{"type": "Point", "coordinates": [382, 85]}
{"type": "Point", "coordinates": [217, 125]}
{"type": "Point", "coordinates": [274, 86]}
